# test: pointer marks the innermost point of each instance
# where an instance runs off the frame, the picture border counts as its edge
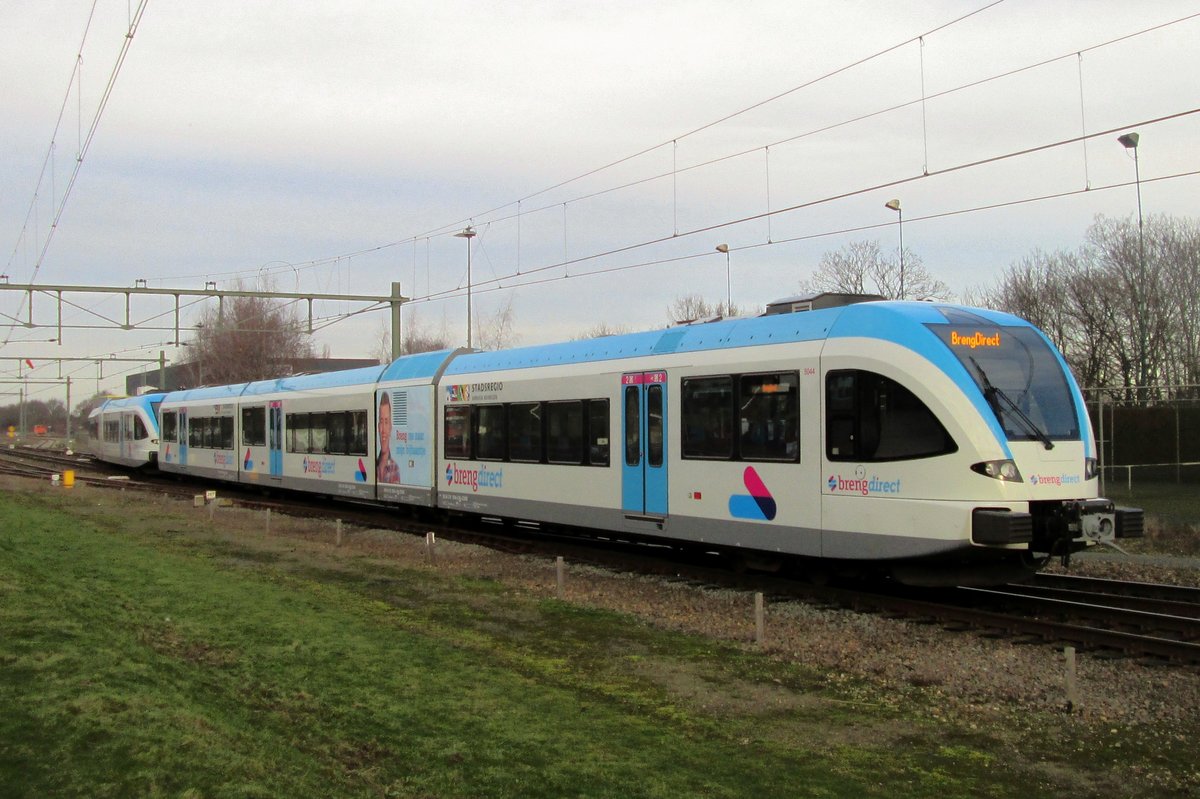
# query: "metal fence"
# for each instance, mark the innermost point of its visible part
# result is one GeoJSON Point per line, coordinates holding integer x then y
{"type": "Point", "coordinates": [1148, 435]}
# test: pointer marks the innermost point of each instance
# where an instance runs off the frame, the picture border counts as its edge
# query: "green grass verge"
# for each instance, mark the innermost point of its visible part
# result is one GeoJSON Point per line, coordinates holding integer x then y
{"type": "Point", "coordinates": [143, 655]}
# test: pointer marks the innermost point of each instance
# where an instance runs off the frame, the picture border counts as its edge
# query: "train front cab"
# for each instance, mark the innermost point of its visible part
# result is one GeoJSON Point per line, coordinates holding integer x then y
{"type": "Point", "coordinates": [125, 431]}
{"type": "Point", "coordinates": [998, 464]}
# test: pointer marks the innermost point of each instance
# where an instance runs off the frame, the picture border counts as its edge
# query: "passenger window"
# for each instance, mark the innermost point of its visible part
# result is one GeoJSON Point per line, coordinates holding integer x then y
{"type": "Point", "coordinates": [769, 416]}
{"type": "Point", "coordinates": [489, 432]}
{"type": "Point", "coordinates": [358, 432]}
{"type": "Point", "coordinates": [254, 427]}
{"type": "Point", "coordinates": [170, 426]}
{"type": "Point", "coordinates": [297, 432]}
{"type": "Point", "coordinates": [598, 432]}
{"type": "Point", "coordinates": [457, 442]}
{"type": "Point", "coordinates": [707, 410]}
{"type": "Point", "coordinates": [139, 429]}
{"type": "Point", "coordinates": [870, 417]}
{"type": "Point", "coordinates": [525, 432]}
{"type": "Point", "coordinates": [336, 425]}
{"type": "Point", "coordinates": [564, 432]}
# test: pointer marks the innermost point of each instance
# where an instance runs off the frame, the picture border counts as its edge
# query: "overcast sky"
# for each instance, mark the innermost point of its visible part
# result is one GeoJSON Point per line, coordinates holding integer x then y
{"type": "Point", "coordinates": [335, 148]}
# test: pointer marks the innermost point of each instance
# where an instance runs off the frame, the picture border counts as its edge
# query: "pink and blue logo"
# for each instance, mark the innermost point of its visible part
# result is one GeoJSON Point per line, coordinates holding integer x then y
{"type": "Point", "coordinates": [247, 463]}
{"type": "Point", "coordinates": [360, 475]}
{"type": "Point", "coordinates": [758, 505]}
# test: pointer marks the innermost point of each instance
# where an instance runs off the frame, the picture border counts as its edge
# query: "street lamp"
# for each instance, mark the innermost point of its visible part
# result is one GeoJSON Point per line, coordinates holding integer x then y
{"type": "Point", "coordinates": [728, 292]}
{"type": "Point", "coordinates": [468, 233]}
{"type": "Point", "coordinates": [895, 206]}
{"type": "Point", "coordinates": [1130, 142]}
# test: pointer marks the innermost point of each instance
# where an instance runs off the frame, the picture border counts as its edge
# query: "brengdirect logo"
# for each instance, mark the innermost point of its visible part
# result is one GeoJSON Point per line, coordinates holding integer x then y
{"type": "Point", "coordinates": [319, 467]}
{"type": "Point", "coordinates": [475, 478]}
{"type": "Point", "coordinates": [976, 339]}
{"type": "Point", "coordinates": [1055, 479]}
{"type": "Point", "coordinates": [758, 505]}
{"type": "Point", "coordinates": [862, 485]}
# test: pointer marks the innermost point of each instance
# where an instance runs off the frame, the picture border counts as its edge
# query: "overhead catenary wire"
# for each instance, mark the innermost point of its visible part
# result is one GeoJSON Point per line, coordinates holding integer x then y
{"type": "Point", "coordinates": [85, 142]}
{"type": "Point", "coordinates": [522, 208]}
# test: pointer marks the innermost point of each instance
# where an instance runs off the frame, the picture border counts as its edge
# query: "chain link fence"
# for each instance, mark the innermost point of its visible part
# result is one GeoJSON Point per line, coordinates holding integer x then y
{"type": "Point", "coordinates": [1146, 435]}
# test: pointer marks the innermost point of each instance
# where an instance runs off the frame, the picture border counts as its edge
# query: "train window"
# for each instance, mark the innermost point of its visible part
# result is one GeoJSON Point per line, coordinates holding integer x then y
{"type": "Point", "coordinates": [633, 426]}
{"type": "Point", "coordinates": [598, 426]}
{"type": "Point", "coordinates": [489, 432]}
{"type": "Point", "coordinates": [769, 416]}
{"type": "Point", "coordinates": [254, 427]}
{"type": "Point", "coordinates": [457, 442]}
{"type": "Point", "coordinates": [357, 437]}
{"type": "Point", "coordinates": [564, 432]}
{"type": "Point", "coordinates": [297, 432]}
{"type": "Point", "coordinates": [870, 417]}
{"type": "Point", "coordinates": [707, 412]}
{"type": "Point", "coordinates": [139, 429]}
{"type": "Point", "coordinates": [170, 426]}
{"type": "Point", "coordinates": [226, 428]}
{"type": "Point", "coordinates": [112, 430]}
{"type": "Point", "coordinates": [654, 425]}
{"type": "Point", "coordinates": [525, 432]}
{"type": "Point", "coordinates": [94, 428]}
{"type": "Point", "coordinates": [338, 426]}
{"type": "Point", "coordinates": [318, 433]}
{"type": "Point", "coordinates": [193, 431]}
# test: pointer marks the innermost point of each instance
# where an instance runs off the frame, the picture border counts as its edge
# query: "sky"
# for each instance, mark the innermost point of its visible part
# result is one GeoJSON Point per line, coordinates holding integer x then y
{"type": "Point", "coordinates": [601, 152]}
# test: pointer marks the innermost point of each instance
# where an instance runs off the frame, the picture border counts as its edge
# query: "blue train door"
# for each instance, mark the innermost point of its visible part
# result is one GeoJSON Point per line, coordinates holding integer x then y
{"type": "Point", "coordinates": [644, 427]}
{"type": "Point", "coordinates": [183, 436]}
{"type": "Point", "coordinates": [275, 438]}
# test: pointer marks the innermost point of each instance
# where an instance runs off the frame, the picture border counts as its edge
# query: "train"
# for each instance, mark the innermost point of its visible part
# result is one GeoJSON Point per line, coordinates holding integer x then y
{"type": "Point", "coordinates": [924, 442]}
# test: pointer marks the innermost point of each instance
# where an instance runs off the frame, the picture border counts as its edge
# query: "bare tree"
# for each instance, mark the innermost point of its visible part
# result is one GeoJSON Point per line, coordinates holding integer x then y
{"type": "Point", "coordinates": [417, 337]}
{"type": "Point", "coordinates": [497, 331]}
{"type": "Point", "coordinates": [246, 338]}
{"type": "Point", "coordinates": [693, 307]}
{"type": "Point", "coordinates": [861, 268]}
{"type": "Point", "coordinates": [600, 330]}
{"type": "Point", "coordinates": [1125, 308]}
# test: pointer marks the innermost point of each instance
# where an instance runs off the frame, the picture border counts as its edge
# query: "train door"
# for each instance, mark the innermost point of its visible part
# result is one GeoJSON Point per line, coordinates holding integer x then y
{"type": "Point", "coordinates": [644, 467]}
{"type": "Point", "coordinates": [275, 438]}
{"type": "Point", "coordinates": [183, 436]}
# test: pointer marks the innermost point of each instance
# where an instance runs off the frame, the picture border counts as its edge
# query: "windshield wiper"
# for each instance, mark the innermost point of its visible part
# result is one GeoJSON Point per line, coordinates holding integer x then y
{"type": "Point", "coordinates": [992, 393]}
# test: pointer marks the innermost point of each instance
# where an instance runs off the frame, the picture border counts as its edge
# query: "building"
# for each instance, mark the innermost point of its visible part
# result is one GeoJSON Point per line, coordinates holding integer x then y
{"type": "Point", "coordinates": [180, 376]}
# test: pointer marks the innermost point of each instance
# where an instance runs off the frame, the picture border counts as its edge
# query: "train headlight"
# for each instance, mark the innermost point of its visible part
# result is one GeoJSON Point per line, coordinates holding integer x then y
{"type": "Point", "coordinates": [1090, 468]}
{"type": "Point", "coordinates": [1005, 470]}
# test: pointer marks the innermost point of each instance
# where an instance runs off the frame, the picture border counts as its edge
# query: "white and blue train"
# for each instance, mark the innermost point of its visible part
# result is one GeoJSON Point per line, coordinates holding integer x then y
{"type": "Point", "coordinates": [935, 443]}
{"type": "Point", "coordinates": [125, 430]}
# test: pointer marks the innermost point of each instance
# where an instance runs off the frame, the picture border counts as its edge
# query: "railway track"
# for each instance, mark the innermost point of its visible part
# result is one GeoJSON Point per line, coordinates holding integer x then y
{"type": "Point", "coordinates": [1106, 617]}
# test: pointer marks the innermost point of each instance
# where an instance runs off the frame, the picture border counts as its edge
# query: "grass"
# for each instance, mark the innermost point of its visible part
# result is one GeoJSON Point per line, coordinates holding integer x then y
{"type": "Point", "coordinates": [148, 654]}
{"type": "Point", "coordinates": [1172, 515]}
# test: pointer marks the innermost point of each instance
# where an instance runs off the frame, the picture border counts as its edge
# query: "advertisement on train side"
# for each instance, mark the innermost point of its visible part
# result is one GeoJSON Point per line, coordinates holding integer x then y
{"type": "Point", "coordinates": [404, 452]}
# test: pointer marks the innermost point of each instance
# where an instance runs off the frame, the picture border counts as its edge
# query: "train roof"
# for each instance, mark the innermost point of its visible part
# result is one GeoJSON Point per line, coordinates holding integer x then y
{"type": "Point", "coordinates": [144, 401]}
{"type": "Point", "coordinates": [419, 365]}
{"type": "Point", "coordinates": [366, 375]}
{"type": "Point", "coordinates": [206, 393]}
{"type": "Point", "coordinates": [901, 322]}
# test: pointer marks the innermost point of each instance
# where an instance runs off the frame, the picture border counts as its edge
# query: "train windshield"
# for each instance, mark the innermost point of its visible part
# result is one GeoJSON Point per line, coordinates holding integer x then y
{"type": "Point", "coordinates": [1019, 375]}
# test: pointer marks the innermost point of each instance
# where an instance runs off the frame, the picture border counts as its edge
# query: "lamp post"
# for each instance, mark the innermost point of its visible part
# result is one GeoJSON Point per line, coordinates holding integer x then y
{"type": "Point", "coordinates": [468, 233]}
{"type": "Point", "coordinates": [1130, 142]}
{"type": "Point", "coordinates": [728, 291]}
{"type": "Point", "coordinates": [895, 206]}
